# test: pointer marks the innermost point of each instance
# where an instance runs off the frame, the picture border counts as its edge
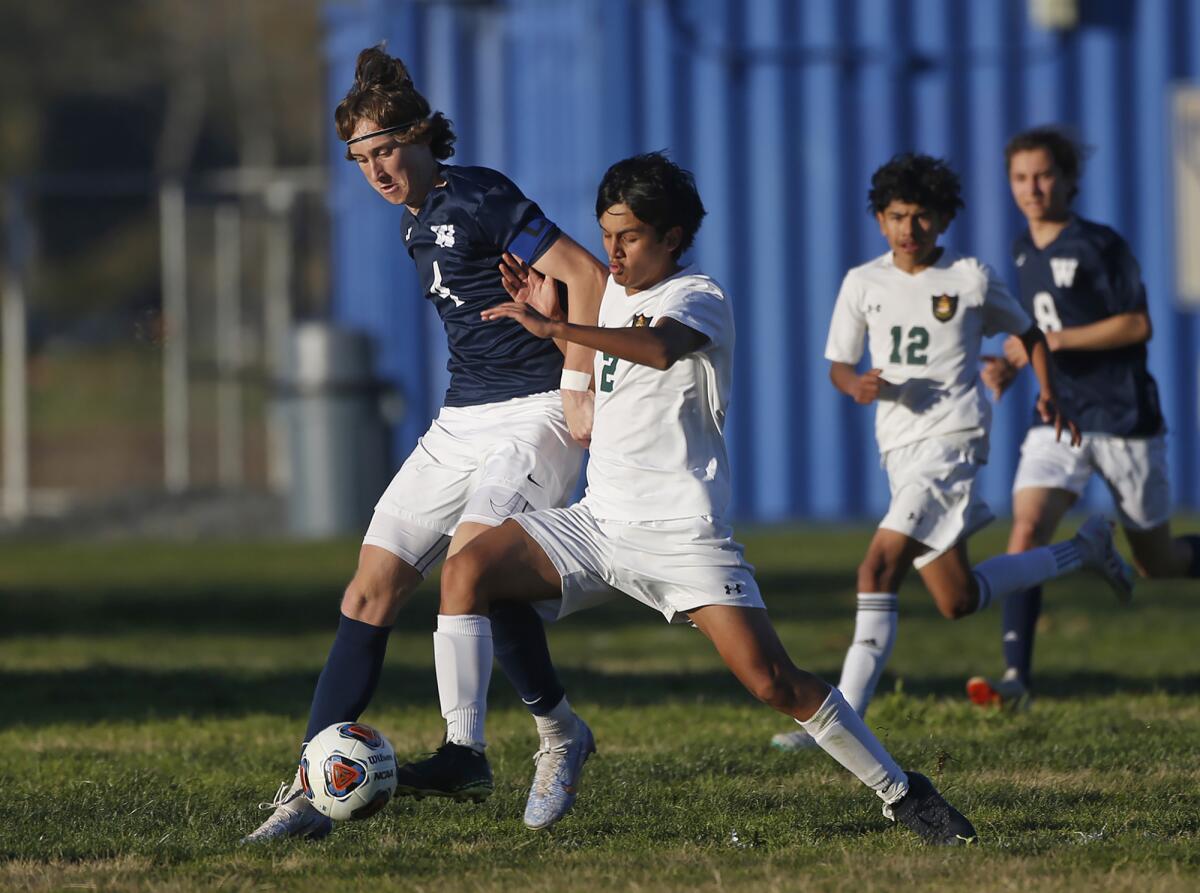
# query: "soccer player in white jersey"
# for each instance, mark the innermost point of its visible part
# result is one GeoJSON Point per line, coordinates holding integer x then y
{"type": "Point", "coordinates": [503, 442]}
{"type": "Point", "coordinates": [652, 523]}
{"type": "Point", "coordinates": [924, 311]}
{"type": "Point", "coordinates": [1083, 285]}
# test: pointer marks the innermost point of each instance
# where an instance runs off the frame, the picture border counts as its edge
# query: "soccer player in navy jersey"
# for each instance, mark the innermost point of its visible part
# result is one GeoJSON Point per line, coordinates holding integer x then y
{"type": "Point", "coordinates": [1084, 288]}
{"type": "Point", "coordinates": [506, 440]}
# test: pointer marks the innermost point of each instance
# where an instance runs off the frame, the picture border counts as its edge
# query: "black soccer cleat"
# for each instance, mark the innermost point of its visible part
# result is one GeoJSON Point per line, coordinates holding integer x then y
{"type": "Point", "coordinates": [926, 813]}
{"type": "Point", "coordinates": [454, 771]}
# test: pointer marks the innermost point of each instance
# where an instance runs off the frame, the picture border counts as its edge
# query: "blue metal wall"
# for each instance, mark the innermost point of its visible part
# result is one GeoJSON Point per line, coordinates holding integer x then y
{"type": "Point", "coordinates": [782, 108]}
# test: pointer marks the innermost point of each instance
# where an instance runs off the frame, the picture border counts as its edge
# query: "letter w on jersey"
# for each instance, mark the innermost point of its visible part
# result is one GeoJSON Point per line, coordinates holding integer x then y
{"type": "Point", "coordinates": [1063, 269]}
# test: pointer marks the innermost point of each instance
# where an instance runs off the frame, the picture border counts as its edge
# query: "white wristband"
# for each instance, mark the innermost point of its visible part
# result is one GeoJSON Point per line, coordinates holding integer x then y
{"type": "Point", "coordinates": [575, 381]}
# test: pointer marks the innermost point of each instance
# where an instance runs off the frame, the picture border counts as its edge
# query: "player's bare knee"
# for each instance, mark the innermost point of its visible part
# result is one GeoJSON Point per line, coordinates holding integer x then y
{"type": "Point", "coordinates": [957, 605]}
{"type": "Point", "coordinates": [879, 573]}
{"type": "Point", "coordinates": [772, 686]}
{"type": "Point", "coordinates": [461, 584]}
{"type": "Point", "coordinates": [1029, 534]}
{"type": "Point", "coordinates": [374, 594]}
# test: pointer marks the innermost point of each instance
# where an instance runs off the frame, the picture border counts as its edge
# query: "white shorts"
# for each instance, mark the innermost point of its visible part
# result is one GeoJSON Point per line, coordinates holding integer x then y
{"type": "Point", "coordinates": [476, 463]}
{"type": "Point", "coordinates": [1134, 468]}
{"type": "Point", "coordinates": [935, 494]}
{"type": "Point", "coordinates": [672, 566]}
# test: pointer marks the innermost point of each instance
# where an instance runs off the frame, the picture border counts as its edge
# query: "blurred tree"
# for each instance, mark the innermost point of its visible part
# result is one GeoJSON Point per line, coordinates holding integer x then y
{"type": "Point", "coordinates": [108, 97]}
{"type": "Point", "coordinates": [224, 82]}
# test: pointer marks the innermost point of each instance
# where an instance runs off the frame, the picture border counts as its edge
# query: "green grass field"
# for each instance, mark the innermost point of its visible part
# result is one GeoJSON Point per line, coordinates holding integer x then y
{"type": "Point", "coordinates": [151, 695]}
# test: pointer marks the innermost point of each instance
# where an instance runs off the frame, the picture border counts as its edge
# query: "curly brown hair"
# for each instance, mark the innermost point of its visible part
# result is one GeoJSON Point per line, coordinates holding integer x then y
{"type": "Point", "coordinates": [1067, 153]}
{"type": "Point", "coordinates": [383, 93]}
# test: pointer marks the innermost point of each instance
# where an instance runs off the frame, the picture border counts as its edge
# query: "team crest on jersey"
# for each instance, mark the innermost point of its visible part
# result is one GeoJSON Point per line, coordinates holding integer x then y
{"type": "Point", "coordinates": [641, 320]}
{"type": "Point", "coordinates": [944, 307]}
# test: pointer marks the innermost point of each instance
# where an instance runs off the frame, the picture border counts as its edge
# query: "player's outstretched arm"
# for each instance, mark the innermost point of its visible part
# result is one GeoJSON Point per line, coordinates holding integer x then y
{"type": "Point", "coordinates": [1110, 333]}
{"type": "Point", "coordinates": [573, 265]}
{"type": "Point", "coordinates": [659, 346]}
{"type": "Point", "coordinates": [864, 388]}
{"type": "Point", "coordinates": [1043, 368]}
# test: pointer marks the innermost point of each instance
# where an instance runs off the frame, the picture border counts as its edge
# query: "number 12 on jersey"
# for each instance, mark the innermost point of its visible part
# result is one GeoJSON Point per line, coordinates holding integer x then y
{"type": "Point", "coordinates": [917, 342]}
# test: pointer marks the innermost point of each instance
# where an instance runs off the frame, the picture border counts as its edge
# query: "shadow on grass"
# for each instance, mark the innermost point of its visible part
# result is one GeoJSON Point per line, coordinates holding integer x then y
{"type": "Point", "coordinates": [97, 694]}
{"type": "Point", "coordinates": [195, 609]}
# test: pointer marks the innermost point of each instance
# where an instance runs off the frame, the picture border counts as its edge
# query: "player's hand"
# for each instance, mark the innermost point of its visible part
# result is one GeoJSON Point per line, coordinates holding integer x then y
{"type": "Point", "coordinates": [579, 408]}
{"type": "Point", "coordinates": [868, 385]}
{"type": "Point", "coordinates": [525, 285]}
{"type": "Point", "coordinates": [535, 323]}
{"type": "Point", "coordinates": [1014, 352]}
{"type": "Point", "coordinates": [997, 374]}
{"type": "Point", "coordinates": [1047, 408]}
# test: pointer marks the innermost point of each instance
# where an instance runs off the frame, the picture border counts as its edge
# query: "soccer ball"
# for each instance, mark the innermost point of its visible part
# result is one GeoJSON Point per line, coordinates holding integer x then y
{"type": "Point", "coordinates": [348, 771]}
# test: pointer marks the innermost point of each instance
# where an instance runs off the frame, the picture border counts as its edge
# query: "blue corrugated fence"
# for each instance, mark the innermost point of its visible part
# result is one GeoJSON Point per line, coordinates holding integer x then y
{"type": "Point", "coordinates": [782, 109]}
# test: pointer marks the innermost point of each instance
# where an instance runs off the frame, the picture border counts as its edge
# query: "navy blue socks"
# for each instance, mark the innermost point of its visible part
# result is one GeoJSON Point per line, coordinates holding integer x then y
{"type": "Point", "coordinates": [350, 675]}
{"type": "Point", "coordinates": [519, 642]}
{"type": "Point", "coordinates": [1021, 611]}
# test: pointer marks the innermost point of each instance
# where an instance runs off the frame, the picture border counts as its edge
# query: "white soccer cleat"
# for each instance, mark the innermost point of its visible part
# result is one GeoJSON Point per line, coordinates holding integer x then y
{"type": "Point", "coordinates": [556, 777]}
{"type": "Point", "coordinates": [793, 741]}
{"type": "Point", "coordinates": [293, 816]}
{"type": "Point", "coordinates": [1094, 539]}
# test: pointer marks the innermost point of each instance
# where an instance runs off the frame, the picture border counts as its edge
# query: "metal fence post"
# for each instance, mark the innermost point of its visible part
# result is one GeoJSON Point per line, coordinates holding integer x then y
{"type": "Point", "coordinates": [173, 232]}
{"type": "Point", "coordinates": [14, 338]}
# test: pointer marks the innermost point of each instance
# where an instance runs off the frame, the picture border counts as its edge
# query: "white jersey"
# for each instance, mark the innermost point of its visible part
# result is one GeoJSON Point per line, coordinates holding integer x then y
{"type": "Point", "coordinates": [658, 451]}
{"type": "Point", "coordinates": [925, 331]}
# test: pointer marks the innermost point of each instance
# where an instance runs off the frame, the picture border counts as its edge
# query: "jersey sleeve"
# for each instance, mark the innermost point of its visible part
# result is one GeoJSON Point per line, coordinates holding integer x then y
{"type": "Point", "coordinates": [848, 328]}
{"type": "Point", "coordinates": [514, 223]}
{"type": "Point", "coordinates": [1126, 293]}
{"type": "Point", "coordinates": [706, 311]}
{"type": "Point", "coordinates": [1001, 311]}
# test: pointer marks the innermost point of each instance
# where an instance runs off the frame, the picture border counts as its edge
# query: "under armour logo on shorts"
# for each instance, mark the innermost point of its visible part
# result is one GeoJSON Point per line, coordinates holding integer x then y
{"type": "Point", "coordinates": [734, 588]}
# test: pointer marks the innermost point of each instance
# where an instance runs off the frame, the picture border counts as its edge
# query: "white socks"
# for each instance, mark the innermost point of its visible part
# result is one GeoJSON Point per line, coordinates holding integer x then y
{"type": "Point", "coordinates": [558, 726]}
{"type": "Point", "coordinates": [874, 635]}
{"type": "Point", "coordinates": [1005, 574]}
{"type": "Point", "coordinates": [842, 734]}
{"type": "Point", "coordinates": [462, 655]}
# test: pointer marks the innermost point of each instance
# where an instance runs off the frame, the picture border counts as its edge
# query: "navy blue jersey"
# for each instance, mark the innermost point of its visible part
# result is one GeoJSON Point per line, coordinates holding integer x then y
{"type": "Point", "coordinates": [1085, 275]}
{"type": "Point", "coordinates": [456, 241]}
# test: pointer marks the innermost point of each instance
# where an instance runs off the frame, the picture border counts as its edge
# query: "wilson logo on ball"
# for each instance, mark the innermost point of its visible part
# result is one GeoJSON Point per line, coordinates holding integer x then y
{"type": "Point", "coordinates": [343, 776]}
{"type": "Point", "coordinates": [360, 732]}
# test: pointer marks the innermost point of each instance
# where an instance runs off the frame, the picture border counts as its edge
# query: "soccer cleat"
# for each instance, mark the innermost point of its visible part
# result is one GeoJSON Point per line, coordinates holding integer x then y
{"type": "Point", "coordinates": [556, 777]}
{"type": "Point", "coordinates": [927, 814]}
{"type": "Point", "coordinates": [454, 770]}
{"type": "Point", "coordinates": [1094, 539]}
{"type": "Point", "coordinates": [293, 816]}
{"type": "Point", "coordinates": [795, 740]}
{"type": "Point", "coordinates": [1007, 693]}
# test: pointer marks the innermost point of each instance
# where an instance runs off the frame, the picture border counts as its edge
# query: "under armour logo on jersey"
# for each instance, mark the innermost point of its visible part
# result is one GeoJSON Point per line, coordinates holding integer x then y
{"type": "Point", "coordinates": [913, 516]}
{"type": "Point", "coordinates": [734, 589]}
{"type": "Point", "coordinates": [444, 234]}
{"type": "Point", "coordinates": [874, 308]}
{"type": "Point", "coordinates": [1021, 259]}
{"type": "Point", "coordinates": [1063, 269]}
